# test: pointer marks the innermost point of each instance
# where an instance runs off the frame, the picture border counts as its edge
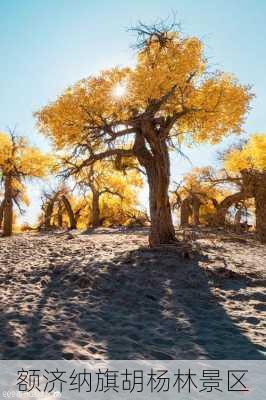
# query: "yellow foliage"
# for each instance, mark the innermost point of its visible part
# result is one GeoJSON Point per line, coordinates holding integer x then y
{"type": "Point", "coordinates": [215, 104]}
{"type": "Point", "coordinates": [20, 192]}
{"type": "Point", "coordinates": [117, 192]}
{"type": "Point", "coordinates": [21, 159]}
{"type": "Point", "coordinates": [102, 176]}
{"type": "Point", "coordinates": [252, 155]}
{"type": "Point", "coordinates": [194, 184]}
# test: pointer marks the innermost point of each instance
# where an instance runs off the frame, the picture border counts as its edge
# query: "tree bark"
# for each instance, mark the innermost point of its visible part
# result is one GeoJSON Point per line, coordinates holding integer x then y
{"type": "Point", "coordinates": [237, 221]}
{"type": "Point", "coordinates": [60, 215]}
{"type": "Point", "coordinates": [195, 211]}
{"type": "Point", "coordinates": [1, 213]}
{"type": "Point", "coordinates": [185, 212]}
{"type": "Point", "coordinates": [8, 207]}
{"type": "Point", "coordinates": [48, 214]}
{"type": "Point", "coordinates": [162, 229]}
{"type": "Point", "coordinates": [95, 209]}
{"type": "Point", "coordinates": [70, 213]}
{"type": "Point", "coordinates": [260, 203]}
{"type": "Point", "coordinates": [220, 217]}
{"type": "Point", "coordinates": [157, 166]}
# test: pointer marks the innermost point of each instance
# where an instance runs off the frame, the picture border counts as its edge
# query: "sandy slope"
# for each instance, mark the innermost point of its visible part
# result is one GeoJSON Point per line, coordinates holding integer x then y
{"type": "Point", "coordinates": [105, 295]}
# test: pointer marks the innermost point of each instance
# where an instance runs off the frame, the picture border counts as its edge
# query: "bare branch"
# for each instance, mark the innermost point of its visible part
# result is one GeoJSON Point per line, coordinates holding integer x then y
{"type": "Point", "coordinates": [158, 31]}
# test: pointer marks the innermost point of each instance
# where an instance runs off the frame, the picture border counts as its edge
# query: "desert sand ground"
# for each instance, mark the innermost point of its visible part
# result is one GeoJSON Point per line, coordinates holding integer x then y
{"type": "Point", "coordinates": [105, 295]}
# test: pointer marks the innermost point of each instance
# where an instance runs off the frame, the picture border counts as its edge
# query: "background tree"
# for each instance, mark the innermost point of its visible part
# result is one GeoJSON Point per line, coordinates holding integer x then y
{"type": "Point", "coordinates": [114, 211]}
{"type": "Point", "coordinates": [146, 111]}
{"type": "Point", "coordinates": [113, 189]}
{"type": "Point", "coordinates": [230, 192]}
{"type": "Point", "coordinates": [197, 198]}
{"type": "Point", "coordinates": [243, 211]}
{"type": "Point", "coordinates": [58, 210]}
{"type": "Point", "coordinates": [249, 165]}
{"type": "Point", "coordinates": [20, 199]}
{"type": "Point", "coordinates": [18, 162]}
{"type": "Point", "coordinates": [243, 176]}
{"type": "Point", "coordinates": [103, 195]}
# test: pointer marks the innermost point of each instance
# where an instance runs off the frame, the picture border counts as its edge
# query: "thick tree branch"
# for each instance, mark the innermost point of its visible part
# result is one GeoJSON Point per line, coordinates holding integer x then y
{"type": "Point", "coordinates": [112, 192]}
{"type": "Point", "coordinates": [76, 168]}
{"type": "Point", "coordinates": [155, 105]}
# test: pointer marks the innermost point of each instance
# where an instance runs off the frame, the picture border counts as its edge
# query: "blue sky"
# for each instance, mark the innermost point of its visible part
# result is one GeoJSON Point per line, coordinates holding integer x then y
{"type": "Point", "coordinates": [47, 45]}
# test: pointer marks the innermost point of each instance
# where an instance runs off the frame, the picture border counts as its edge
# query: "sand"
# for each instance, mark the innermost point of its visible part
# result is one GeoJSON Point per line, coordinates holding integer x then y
{"type": "Point", "coordinates": [105, 295]}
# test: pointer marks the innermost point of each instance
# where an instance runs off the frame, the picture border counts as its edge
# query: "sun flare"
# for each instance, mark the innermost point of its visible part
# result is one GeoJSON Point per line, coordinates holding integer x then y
{"type": "Point", "coordinates": [120, 89]}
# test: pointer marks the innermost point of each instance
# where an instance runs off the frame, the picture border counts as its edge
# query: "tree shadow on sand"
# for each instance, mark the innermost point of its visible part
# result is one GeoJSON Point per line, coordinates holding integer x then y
{"type": "Point", "coordinates": [145, 304]}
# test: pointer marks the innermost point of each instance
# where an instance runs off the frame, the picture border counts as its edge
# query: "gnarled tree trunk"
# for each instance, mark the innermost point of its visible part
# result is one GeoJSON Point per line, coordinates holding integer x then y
{"type": "Point", "coordinates": [1, 213]}
{"type": "Point", "coordinates": [255, 184]}
{"type": "Point", "coordinates": [48, 214]}
{"type": "Point", "coordinates": [219, 217]}
{"type": "Point", "coordinates": [95, 209]}
{"type": "Point", "coordinates": [195, 210]}
{"type": "Point", "coordinates": [60, 215]}
{"type": "Point", "coordinates": [162, 229]}
{"type": "Point", "coordinates": [70, 213]}
{"type": "Point", "coordinates": [157, 166]}
{"type": "Point", "coordinates": [237, 221]}
{"type": "Point", "coordinates": [8, 207]}
{"type": "Point", "coordinates": [260, 203]}
{"type": "Point", "coordinates": [185, 212]}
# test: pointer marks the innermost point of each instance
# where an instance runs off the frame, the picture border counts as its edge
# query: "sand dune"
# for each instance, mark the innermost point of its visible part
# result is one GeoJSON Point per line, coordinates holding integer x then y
{"type": "Point", "coordinates": [104, 294]}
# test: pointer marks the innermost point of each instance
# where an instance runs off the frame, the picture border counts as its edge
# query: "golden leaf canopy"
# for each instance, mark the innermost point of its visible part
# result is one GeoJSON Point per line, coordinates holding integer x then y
{"type": "Point", "coordinates": [20, 159]}
{"type": "Point", "coordinates": [212, 104]}
{"type": "Point", "coordinates": [252, 155]}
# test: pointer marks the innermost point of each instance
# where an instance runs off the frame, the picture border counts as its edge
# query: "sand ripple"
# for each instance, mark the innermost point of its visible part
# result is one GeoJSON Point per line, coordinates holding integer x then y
{"type": "Point", "coordinates": [105, 295]}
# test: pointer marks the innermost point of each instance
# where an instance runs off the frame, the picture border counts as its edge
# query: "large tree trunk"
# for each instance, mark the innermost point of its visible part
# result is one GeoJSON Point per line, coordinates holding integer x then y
{"type": "Point", "coordinates": [220, 216]}
{"type": "Point", "coordinates": [185, 212]}
{"type": "Point", "coordinates": [260, 203]}
{"type": "Point", "coordinates": [237, 221]}
{"type": "Point", "coordinates": [162, 229]}
{"type": "Point", "coordinates": [1, 213]}
{"type": "Point", "coordinates": [255, 183]}
{"type": "Point", "coordinates": [158, 172]}
{"type": "Point", "coordinates": [8, 207]}
{"type": "Point", "coordinates": [95, 209]}
{"type": "Point", "coordinates": [60, 215]}
{"type": "Point", "coordinates": [70, 213]}
{"type": "Point", "coordinates": [195, 211]}
{"type": "Point", "coordinates": [48, 214]}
